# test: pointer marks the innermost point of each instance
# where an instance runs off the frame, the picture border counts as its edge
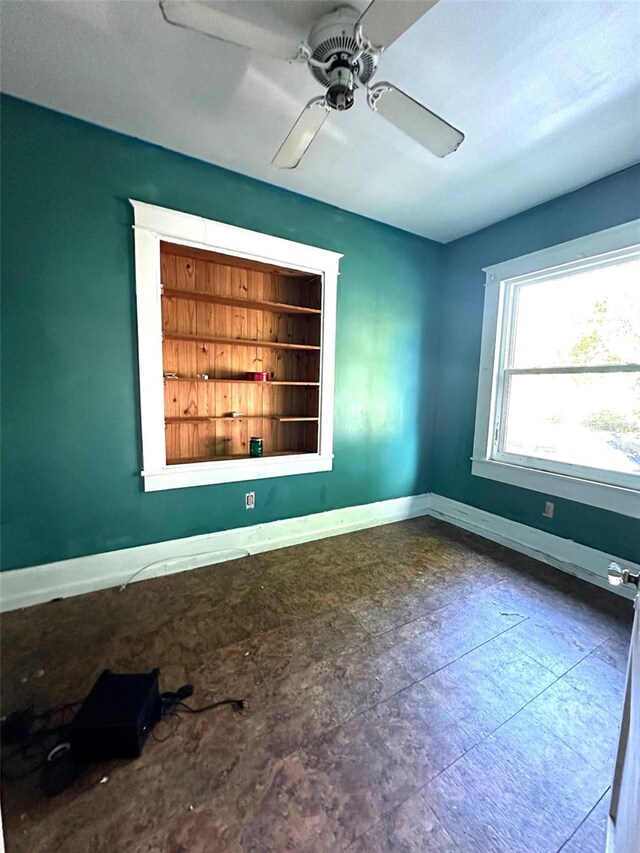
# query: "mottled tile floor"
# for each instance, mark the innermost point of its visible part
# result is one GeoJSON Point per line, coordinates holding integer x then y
{"type": "Point", "coordinates": [411, 688]}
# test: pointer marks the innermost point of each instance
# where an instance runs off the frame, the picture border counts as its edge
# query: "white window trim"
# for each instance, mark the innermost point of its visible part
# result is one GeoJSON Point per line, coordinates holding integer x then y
{"type": "Point", "coordinates": [153, 224]}
{"type": "Point", "coordinates": [568, 481]}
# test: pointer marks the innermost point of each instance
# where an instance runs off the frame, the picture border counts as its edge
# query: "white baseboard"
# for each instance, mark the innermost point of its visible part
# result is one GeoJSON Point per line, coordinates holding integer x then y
{"type": "Point", "coordinates": [586, 563]}
{"type": "Point", "coordinates": [37, 584]}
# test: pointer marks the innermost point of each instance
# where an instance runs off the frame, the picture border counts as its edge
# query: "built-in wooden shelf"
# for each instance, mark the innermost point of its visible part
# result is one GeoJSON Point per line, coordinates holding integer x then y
{"type": "Point", "coordinates": [203, 294]}
{"type": "Point", "coordinates": [194, 459]}
{"type": "Point", "coordinates": [284, 419]}
{"type": "Point", "coordinates": [240, 342]}
{"type": "Point", "coordinates": [241, 381]}
{"type": "Point", "coordinates": [230, 302]}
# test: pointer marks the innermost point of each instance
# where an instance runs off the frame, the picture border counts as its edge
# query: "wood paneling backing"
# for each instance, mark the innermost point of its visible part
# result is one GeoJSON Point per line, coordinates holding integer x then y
{"type": "Point", "coordinates": [199, 423]}
{"type": "Point", "coordinates": [282, 285]}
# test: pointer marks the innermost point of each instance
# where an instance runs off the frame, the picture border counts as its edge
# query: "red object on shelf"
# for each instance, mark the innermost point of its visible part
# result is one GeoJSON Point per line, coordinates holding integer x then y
{"type": "Point", "coordinates": [257, 376]}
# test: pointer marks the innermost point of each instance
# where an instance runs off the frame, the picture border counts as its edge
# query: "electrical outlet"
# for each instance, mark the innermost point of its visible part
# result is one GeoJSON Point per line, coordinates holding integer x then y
{"type": "Point", "coordinates": [548, 509]}
{"type": "Point", "coordinates": [250, 500]}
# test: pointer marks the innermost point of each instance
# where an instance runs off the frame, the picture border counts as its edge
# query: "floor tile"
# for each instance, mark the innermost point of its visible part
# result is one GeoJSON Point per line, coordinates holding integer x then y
{"type": "Point", "coordinates": [378, 613]}
{"type": "Point", "coordinates": [420, 734]}
{"type": "Point", "coordinates": [591, 835]}
{"type": "Point", "coordinates": [598, 682]}
{"type": "Point", "coordinates": [521, 790]}
{"type": "Point", "coordinates": [599, 610]}
{"type": "Point", "coordinates": [293, 710]}
{"type": "Point", "coordinates": [333, 790]}
{"type": "Point", "coordinates": [298, 645]}
{"type": "Point", "coordinates": [410, 828]}
{"type": "Point", "coordinates": [488, 685]}
{"type": "Point", "coordinates": [200, 830]}
{"type": "Point", "coordinates": [583, 709]}
{"type": "Point", "coordinates": [558, 643]}
{"type": "Point", "coordinates": [325, 796]}
{"type": "Point", "coordinates": [431, 642]}
{"type": "Point", "coordinates": [614, 652]}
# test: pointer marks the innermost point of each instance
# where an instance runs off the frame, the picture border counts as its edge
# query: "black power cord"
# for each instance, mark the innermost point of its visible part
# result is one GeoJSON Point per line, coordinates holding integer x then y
{"type": "Point", "coordinates": [171, 702]}
{"type": "Point", "coordinates": [238, 704]}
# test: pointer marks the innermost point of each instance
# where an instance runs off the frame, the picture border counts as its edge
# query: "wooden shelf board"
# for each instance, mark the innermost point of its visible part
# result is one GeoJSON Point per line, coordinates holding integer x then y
{"type": "Point", "coordinates": [204, 418]}
{"type": "Point", "coordinates": [230, 302]}
{"type": "Point", "coordinates": [240, 381]}
{"type": "Point", "coordinates": [240, 342]}
{"type": "Point", "coordinates": [193, 459]}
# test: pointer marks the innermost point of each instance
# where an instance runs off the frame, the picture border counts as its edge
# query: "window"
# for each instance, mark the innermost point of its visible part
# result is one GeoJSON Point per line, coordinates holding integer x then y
{"type": "Point", "coordinates": [559, 393]}
{"type": "Point", "coordinates": [236, 340]}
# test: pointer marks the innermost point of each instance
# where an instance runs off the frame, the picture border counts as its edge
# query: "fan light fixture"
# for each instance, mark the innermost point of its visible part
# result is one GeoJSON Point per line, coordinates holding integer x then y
{"type": "Point", "coordinates": [342, 53]}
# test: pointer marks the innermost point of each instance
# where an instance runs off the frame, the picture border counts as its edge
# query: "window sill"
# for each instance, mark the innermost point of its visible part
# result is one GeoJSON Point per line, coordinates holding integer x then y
{"type": "Point", "coordinates": [234, 471]}
{"type": "Point", "coordinates": [612, 498]}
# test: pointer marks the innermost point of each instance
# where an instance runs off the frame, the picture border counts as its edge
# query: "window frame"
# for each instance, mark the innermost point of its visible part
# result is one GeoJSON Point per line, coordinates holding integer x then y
{"type": "Point", "coordinates": [153, 224]}
{"type": "Point", "coordinates": [616, 491]}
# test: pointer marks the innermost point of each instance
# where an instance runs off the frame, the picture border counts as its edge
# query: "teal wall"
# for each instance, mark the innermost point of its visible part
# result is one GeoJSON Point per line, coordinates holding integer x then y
{"type": "Point", "coordinates": [408, 347]}
{"type": "Point", "coordinates": [600, 205]}
{"type": "Point", "coordinates": [71, 431]}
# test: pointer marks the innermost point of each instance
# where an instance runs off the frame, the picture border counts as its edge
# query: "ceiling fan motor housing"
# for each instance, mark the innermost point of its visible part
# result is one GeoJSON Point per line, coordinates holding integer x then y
{"type": "Point", "coordinates": [333, 40]}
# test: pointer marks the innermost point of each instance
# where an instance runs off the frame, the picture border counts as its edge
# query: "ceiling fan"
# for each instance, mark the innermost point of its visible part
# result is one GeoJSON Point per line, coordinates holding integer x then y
{"type": "Point", "coordinates": [342, 52]}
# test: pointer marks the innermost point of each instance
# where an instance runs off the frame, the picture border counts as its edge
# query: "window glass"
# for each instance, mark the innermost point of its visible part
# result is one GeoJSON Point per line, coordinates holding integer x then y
{"type": "Point", "coordinates": [587, 419]}
{"type": "Point", "coordinates": [584, 318]}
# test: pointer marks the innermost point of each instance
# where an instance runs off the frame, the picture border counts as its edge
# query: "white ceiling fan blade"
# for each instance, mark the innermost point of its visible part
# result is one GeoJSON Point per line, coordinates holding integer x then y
{"type": "Point", "coordinates": [431, 131]}
{"type": "Point", "coordinates": [213, 21]}
{"type": "Point", "coordinates": [302, 134]}
{"type": "Point", "coordinates": [383, 21]}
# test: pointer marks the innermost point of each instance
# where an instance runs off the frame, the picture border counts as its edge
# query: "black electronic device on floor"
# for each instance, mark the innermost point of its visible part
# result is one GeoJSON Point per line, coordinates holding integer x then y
{"type": "Point", "coordinates": [117, 716]}
{"type": "Point", "coordinates": [113, 722]}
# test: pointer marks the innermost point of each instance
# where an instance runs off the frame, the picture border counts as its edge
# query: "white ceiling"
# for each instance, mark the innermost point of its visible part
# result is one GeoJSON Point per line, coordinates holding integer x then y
{"type": "Point", "coordinates": [547, 93]}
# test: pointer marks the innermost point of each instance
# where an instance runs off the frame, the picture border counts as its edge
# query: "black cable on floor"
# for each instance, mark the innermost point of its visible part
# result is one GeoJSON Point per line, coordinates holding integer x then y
{"type": "Point", "coordinates": [43, 733]}
{"type": "Point", "coordinates": [239, 704]}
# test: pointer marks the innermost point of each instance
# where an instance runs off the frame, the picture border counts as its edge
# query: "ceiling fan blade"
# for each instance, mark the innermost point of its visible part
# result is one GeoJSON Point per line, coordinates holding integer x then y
{"type": "Point", "coordinates": [431, 131]}
{"type": "Point", "coordinates": [302, 134]}
{"type": "Point", "coordinates": [383, 21]}
{"type": "Point", "coordinates": [213, 21]}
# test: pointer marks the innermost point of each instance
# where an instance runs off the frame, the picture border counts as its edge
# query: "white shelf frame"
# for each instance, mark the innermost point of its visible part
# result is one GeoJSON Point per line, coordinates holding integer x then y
{"type": "Point", "coordinates": [153, 224]}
